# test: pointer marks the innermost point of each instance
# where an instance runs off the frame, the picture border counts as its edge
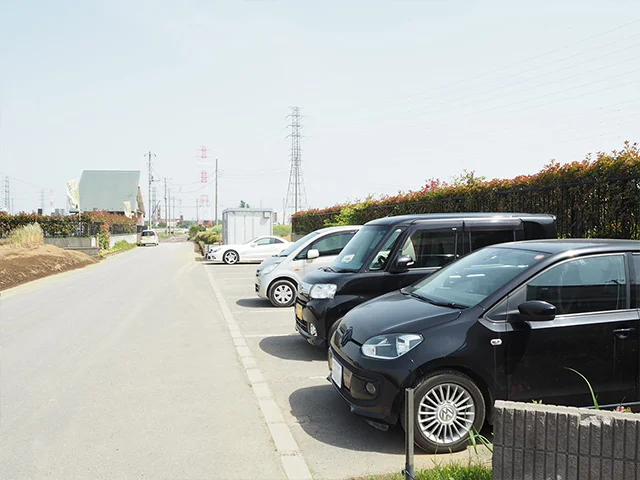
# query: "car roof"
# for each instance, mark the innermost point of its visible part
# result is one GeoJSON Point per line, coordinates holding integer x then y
{"type": "Point", "coordinates": [583, 245]}
{"type": "Point", "coordinates": [340, 228]}
{"type": "Point", "coordinates": [409, 219]}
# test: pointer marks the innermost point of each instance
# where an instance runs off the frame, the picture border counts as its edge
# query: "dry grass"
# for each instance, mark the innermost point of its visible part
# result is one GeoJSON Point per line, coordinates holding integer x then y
{"type": "Point", "coordinates": [29, 236]}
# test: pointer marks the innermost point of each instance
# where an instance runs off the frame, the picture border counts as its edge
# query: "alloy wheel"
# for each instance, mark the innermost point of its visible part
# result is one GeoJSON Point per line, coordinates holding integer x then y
{"type": "Point", "coordinates": [446, 413]}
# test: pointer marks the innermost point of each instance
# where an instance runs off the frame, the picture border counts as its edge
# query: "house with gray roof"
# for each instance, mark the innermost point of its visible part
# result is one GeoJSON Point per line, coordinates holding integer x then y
{"type": "Point", "coordinates": [115, 191]}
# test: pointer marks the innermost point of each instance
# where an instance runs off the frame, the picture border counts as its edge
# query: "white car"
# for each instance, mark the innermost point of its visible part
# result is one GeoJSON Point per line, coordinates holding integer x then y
{"type": "Point", "coordinates": [277, 278]}
{"type": "Point", "coordinates": [149, 237]}
{"type": "Point", "coordinates": [256, 250]}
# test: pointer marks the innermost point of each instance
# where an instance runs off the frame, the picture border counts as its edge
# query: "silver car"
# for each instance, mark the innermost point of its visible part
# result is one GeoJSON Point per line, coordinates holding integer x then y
{"type": "Point", "coordinates": [278, 277]}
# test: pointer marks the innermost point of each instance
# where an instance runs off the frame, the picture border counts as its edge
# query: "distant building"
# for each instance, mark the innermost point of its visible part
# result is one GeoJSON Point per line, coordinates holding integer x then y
{"type": "Point", "coordinates": [115, 191]}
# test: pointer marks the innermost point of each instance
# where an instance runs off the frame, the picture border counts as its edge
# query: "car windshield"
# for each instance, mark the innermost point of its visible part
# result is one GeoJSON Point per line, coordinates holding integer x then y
{"type": "Point", "coordinates": [473, 278]}
{"type": "Point", "coordinates": [353, 256]}
{"type": "Point", "coordinates": [148, 234]}
{"type": "Point", "coordinates": [294, 246]}
{"type": "Point", "coordinates": [251, 241]}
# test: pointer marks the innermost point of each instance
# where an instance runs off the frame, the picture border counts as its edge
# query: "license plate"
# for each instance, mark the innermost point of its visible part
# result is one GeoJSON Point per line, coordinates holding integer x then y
{"type": "Point", "coordinates": [336, 372]}
{"type": "Point", "coordinates": [299, 311]}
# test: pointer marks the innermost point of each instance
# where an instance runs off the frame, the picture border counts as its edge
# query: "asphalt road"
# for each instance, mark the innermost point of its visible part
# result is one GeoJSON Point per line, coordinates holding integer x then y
{"type": "Point", "coordinates": [154, 364]}
{"type": "Point", "coordinates": [126, 370]}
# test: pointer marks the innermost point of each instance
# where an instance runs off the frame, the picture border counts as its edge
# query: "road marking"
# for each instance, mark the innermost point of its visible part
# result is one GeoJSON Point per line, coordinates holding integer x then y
{"type": "Point", "coordinates": [265, 335]}
{"type": "Point", "coordinates": [261, 310]}
{"type": "Point", "coordinates": [293, 462]}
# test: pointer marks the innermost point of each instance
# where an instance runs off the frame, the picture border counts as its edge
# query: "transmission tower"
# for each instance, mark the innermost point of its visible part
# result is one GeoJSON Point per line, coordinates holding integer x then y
{"type": "Point", "coordinates": [296, 196]}
{"type": "Point", "coordinates": [7, 194]}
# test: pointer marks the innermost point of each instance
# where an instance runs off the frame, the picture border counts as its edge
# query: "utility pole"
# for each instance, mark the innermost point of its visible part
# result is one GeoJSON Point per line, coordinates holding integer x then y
{"type": "Point", "coordinates": [166, 209]}
{"type": "Point", "coordinates": [150, 206]}
{"type": "Point", "coordinates": [197, 211]}
{"type": "Point", "coordinates": [174, 213]}
{"type": "Point", "coordinates": [296, 196]}
{"type": "Point", "coordinates": [215, 201]}
{"type": "Point", "coordinates": [42, 201]}
{"type": "Point", "coordinates": [7, 195]}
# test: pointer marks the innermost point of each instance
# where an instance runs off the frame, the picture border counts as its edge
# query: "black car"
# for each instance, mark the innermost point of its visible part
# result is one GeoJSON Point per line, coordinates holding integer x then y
{"type": "Point", "coordinates": [507, 322]}
{"type": "Point", "coordinates": [394, 252]}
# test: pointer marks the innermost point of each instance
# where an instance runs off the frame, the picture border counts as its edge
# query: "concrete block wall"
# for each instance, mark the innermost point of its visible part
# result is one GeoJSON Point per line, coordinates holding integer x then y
{"type": "Point", "coordinates": [131, 238]}
{"type": "Point", "coordinates": [533, 441]}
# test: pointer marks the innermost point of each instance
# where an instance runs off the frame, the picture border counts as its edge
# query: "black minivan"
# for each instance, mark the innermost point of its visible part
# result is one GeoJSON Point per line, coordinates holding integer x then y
{"type": "Point", "coordinates": [517, 321]}
{"type": "Point", "coordinates": [394, 252]}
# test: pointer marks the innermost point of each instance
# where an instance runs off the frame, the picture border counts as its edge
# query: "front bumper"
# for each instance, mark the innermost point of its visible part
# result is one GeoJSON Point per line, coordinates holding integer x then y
{"type": "Point", "coordinates": [261, 286]}
{"type": "Point", "coordinates": [309, 323]}
{"type": "Point", "coordinates": [358, 371]}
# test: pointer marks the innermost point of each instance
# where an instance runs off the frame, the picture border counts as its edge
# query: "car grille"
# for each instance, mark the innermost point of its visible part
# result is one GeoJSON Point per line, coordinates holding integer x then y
{"type": "Point", "coordinates": [302, 325]}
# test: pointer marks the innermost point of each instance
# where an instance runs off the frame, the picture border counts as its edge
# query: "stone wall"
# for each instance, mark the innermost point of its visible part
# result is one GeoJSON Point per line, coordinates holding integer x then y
{"type": "Point", "coordinates": [533, 441]}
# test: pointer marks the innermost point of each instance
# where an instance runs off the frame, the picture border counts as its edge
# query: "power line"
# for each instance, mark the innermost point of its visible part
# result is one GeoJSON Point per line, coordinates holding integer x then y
{"type": "Point", "coordinates": [430, 91]}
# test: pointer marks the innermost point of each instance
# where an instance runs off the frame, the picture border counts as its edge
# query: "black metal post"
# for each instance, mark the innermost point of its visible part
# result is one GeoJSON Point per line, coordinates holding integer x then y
{"type": "Point", "coordinates": [409, 472]}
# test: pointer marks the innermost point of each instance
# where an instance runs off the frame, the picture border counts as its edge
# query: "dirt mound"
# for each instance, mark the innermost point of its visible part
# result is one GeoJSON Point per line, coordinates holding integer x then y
{"type": "Point", "coordinates": [21, 265]}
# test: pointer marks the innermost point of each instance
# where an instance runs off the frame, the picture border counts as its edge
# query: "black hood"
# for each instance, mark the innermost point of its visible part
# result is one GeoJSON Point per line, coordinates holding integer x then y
{"type": "Point", "coordinates": [323, 275]}
{"type": "Point", "coordinates": [395, 313]}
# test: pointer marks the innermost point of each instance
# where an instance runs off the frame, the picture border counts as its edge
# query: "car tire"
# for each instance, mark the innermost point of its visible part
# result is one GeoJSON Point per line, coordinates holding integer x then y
{"type": "Point", "coordinates": [230, 257]}
{"type": "Point", "coordinates": [282, 293]}
{"type": "Point", "coordinates": [447, 406]}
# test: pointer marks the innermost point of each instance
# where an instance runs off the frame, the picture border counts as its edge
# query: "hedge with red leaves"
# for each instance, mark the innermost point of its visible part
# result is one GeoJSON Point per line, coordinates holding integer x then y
{"type": "Point", "coordinates": [596, 197]}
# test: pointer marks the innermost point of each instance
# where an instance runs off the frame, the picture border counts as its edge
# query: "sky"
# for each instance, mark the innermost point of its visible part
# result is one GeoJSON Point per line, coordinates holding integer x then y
{"type": "Point", "coordinates": [392, 93]}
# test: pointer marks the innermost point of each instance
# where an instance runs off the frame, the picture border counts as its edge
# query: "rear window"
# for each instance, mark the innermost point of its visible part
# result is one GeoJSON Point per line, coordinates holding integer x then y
{"type": "Point", "coordinates": [148, 234]}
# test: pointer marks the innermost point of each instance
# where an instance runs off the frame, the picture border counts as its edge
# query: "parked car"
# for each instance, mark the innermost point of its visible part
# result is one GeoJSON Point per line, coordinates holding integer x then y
{"type": "Point", "coordinates": [149, 237]}
{"type": "Point", "coordinates": [277, 278]}
{"type": "Point", "coordinates": [506, 322]}
{"type": "Point", "coordinates": [394, 252]}
{"type": "Point", "coordinates": [255, 250]}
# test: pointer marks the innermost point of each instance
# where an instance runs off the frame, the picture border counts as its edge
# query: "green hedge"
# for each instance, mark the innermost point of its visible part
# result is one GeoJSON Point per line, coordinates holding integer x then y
{"type": "Point", "coordinates": [63, 226]}
{"type": "Point", "coordinates": [208, 238]}
{"type": "Point", "coordinates": [596, 197]}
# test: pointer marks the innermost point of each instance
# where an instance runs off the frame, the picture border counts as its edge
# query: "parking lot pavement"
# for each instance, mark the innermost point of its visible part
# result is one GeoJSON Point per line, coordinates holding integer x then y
{"type": "Point", "coordinates": [334, 442]}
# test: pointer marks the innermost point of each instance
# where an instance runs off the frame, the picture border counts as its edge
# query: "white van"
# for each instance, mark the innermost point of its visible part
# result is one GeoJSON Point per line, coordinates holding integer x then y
{"type": "Point", "coordinates": [278, 277]}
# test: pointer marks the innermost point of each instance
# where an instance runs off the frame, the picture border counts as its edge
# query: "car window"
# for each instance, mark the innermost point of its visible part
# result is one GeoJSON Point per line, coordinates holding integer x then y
{"type": "Point", "coordinates": [275, 241]}
{"type": "Point", "coordinates": [475, 276]}
{"type": "Point", "coordinates": [263, 241]}
{"type": "Point", "coordinates": [481, 239]}
{"type": "Point", "coordinates": [581, 285]}
{"type": "Point", "coordinates": [430, 248]}
{"type": "Point", "coordinates": [380, 259]}
{"type": "Point", "coordinates": [148, 234]}
{"type": "Point", "coordinates": [329, 245]}
{"type": "Point", "coordinates": [635, 290]}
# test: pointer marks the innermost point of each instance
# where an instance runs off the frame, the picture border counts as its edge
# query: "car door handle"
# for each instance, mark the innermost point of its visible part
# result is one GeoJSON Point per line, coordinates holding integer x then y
{"type": "Point", "coordinates": [623, 333]}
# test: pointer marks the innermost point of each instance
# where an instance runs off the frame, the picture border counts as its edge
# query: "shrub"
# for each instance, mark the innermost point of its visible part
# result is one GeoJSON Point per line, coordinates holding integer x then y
{"type": "Point", "coordinates": [62, 226]}
{"type": "Point", "coordinates": [194, 229]}
{"type": "Point", "coordinates": [595, 197]}
{"type": "Point", "coordinates": [282, 230]}
{"type": "Point", "coordinates": [28, 236]}
{"type": "Point", "coordinates": [208, 238]}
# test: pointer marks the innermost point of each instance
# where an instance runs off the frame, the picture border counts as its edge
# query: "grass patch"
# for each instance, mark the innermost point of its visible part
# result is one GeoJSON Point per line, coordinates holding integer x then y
{"type": "Point", "coordinates": [444, 472]}
{"type": "Point", "coordinates": [121, 246]}
{"type": "Point", "coordinates": [28, 236]}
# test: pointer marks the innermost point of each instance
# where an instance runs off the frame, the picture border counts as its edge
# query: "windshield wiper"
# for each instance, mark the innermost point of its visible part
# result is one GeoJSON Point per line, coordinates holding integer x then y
{"type": "Point", "coordinates": [329, 269]}
{"type": "Point", "coordinates": [435, 302]}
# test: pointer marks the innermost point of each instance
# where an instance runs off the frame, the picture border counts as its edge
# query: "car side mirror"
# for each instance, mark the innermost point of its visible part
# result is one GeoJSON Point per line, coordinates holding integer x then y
{"type": "Point", "coordinates": [402, 264]}
{"type": "Point", "coordinates": [313, 253]}
{"type": "Point", "coordinates": [537, 310]}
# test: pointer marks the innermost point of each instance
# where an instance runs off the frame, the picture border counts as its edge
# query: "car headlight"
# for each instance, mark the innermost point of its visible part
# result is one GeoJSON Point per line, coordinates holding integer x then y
{"type": "Point", "coordinates": [269, 269]}
{"type": "Point", "coordinates": [323, 290]}
{"type": "Point", "coordinates": [390, 346]}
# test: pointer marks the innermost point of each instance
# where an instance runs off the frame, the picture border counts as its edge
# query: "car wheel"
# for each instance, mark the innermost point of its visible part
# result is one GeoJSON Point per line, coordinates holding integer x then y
{"type": "Point", "coordinates": [230, 257]}
{"type": "Point", "coordinates": [282, 293]}
{"type": "Point", "coordinates": [447, 406]}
